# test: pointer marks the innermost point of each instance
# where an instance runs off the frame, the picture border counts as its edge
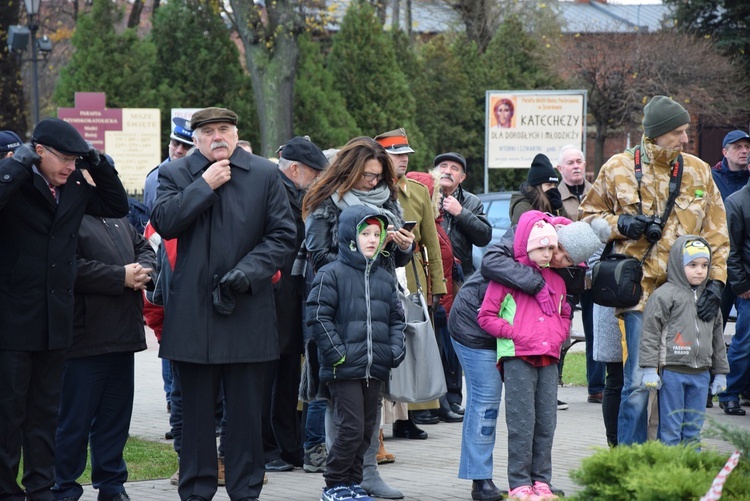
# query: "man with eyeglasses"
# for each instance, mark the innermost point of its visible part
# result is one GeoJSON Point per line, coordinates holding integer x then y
{"type": "Point", "coordinates": [43, 197]}
{"type": "Point", "coordinates": [180, 142]}
{"type": "Point", "coordinates": [230, 212]}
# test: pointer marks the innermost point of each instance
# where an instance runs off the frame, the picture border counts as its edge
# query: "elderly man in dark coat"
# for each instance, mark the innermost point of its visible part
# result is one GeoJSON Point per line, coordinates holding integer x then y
{"type": "Point", "coordinates": [229, 211]}
{"type": "Point", "coordinates": [43, 197]}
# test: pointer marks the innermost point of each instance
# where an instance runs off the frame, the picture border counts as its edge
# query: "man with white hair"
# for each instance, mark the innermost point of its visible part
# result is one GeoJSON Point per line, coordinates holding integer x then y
{"type": "Point", "coordinates": [574, 186]}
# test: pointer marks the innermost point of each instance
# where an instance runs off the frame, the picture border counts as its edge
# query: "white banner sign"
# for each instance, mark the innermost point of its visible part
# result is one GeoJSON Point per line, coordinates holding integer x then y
{"type": "Point", "coordinates": [521, 124]}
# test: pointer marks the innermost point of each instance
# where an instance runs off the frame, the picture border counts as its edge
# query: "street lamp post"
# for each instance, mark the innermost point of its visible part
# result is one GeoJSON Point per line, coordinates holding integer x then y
{"type": "Point", "coordinates": [32, 9]}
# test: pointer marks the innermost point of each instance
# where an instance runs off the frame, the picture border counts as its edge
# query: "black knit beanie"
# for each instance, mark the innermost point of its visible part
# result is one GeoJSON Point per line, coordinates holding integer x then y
{"type": "Point", "coordinates": [541, 171]}
{"type": "Point", "coordinates": [662, 115]}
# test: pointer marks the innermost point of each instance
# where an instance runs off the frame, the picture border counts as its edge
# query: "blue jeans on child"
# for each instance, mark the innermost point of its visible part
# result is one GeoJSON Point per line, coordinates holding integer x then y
{"type": "Point", "coordinates": [682, 406]}
{"type": "Point", "coordinates": [484, 389]}
{"type": "Point", "coordinates": [632, 423]}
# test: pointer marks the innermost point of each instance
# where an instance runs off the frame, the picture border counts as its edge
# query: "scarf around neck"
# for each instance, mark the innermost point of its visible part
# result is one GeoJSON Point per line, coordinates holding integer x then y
{"type": "Point", "coordinates": [376, 198]}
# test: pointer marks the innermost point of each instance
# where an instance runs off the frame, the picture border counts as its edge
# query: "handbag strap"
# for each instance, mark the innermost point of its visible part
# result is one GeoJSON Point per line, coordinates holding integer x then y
{"type": "Point", "coordinates": [416, 275]}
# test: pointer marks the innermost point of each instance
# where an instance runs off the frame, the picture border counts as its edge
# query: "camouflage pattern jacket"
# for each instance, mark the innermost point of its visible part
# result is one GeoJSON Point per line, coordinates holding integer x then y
{"type": "Point", "coordinates": [698, 210]}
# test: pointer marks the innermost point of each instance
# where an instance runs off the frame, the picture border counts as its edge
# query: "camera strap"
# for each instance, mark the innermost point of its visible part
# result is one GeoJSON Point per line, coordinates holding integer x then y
{"type": "Point", "coordinates": [675, 180]}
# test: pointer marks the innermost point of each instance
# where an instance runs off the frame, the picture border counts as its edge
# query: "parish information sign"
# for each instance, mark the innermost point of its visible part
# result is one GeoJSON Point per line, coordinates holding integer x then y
{"type": "Point", "coordinates": [521, 124]}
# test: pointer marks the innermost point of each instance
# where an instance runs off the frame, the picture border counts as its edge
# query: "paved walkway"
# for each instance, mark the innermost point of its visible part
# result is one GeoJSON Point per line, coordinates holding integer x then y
{"type": "Point", "coordinates": [425, 470]}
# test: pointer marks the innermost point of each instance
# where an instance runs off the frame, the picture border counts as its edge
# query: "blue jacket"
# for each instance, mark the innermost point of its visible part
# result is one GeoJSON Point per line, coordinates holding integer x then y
{"type": "Point", "coordinates": [353, 310]}
{"type": "Point", "coordinates": [729, 181]}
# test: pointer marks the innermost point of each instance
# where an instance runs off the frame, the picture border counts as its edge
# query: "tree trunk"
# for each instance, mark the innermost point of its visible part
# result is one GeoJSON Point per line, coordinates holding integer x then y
{"type": "Point", "coordinates": [135, 14]}
{"type": "Point", "coordinates": [408, 19]}
{"type": "Point", "coordinates": [599, 139]}
{"type": "Point", "coordinates": [271, 52]}
{"type": "Point", "coordinates": [396, 15]}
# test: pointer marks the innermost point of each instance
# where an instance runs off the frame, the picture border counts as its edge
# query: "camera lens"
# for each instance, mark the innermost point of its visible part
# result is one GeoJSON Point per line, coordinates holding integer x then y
{"type": "Point", "coordinates": [653, 232]}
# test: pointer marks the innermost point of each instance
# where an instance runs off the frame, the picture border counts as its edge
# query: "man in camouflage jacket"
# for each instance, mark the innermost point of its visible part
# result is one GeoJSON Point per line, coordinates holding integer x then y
{"type": "Point", "coordinates": [698, 210]}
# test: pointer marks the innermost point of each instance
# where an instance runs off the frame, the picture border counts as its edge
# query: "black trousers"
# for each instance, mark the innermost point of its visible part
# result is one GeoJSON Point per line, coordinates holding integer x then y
{"type": "Point", "coordinates": [282, 428]}
{"type": "Point", "coordinates": [611, 400]}
{"type": "Point", "coordinates": [30, 383]}
{"type": "Point", "coordinates": [244, 385]}
{"type": "Point", "coordinates": [355, 412]}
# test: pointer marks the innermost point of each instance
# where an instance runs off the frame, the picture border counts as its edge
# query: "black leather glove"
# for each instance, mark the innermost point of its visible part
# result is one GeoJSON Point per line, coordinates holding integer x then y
{"type": "Point", "coordinates": [236, 281]}
{"type": "Point", "coordinates": [555, 198]}
{"type": "Point", "coordinates": [710, 301]}
{"type": "Point", "coordinates": [222, 298]}
{"type": "Point", "coordinates": [26, 156]}
{"type": "Point", "coordinates": [632, 226]}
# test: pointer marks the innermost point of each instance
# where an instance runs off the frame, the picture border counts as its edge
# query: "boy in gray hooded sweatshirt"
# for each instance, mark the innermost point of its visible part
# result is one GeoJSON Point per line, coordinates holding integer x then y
{"type": "Point", "coordinates": [677, 343]}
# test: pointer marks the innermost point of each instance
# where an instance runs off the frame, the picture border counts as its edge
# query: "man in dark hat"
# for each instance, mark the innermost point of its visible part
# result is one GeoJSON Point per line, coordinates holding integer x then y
{"type": "Point", "coordinates": [630, 207]}
{"type": "Point", "coordinates": [43, 197]}
{"type": "Point", "coordinates": [464, 220]}
{"type": "Point", "coordinates": [180, 142]}
{"type": "Point", "coordinates": [9, 142]}
{"type": "Point", "coordinates": [235, 228]}
{"type": "Point", "coordinates": [300, 164]}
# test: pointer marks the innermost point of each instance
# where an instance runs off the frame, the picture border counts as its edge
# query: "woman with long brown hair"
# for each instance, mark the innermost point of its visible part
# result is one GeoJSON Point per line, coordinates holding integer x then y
{"type": "Point", "coordinates": [539, 192]}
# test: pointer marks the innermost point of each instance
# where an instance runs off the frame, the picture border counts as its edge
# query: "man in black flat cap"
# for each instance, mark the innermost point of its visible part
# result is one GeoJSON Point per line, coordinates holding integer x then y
{"type": "Point", "coordinates": [230, 213]}
{"type": "Point", "coordinates": [300, 164]}
{"type": "Point", "coordinates": [43, 197]}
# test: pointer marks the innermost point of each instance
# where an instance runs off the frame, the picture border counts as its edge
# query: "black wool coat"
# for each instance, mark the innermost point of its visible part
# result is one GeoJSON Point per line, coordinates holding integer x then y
{"type": "Point", "coordinates": [246, 224]}
{"type": "Point", "coordinates": [38, 250]}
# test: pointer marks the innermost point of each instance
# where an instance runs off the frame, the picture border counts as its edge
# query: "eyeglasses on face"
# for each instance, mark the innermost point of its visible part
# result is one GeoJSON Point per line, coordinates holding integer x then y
{"type": "Point", "coordinates": [371, 176]}
{"type": "Point", "coordinates": [63, 158]}
{"type": "Point", "coordinates": [178, 144]}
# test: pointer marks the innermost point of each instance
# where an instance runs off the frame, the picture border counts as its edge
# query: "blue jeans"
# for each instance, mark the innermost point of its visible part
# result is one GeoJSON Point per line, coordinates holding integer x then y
{"type": "Point", "coordinates": [738, 354]}
{"type": "Point", "coordinates": [595, 371]}
{"type": "Point", "coordinates": [682, 407]}
{"type": "Point", "coordinates": [484, 389]}
{"type": "Point", "coordinates": [166, 376]}
{"type": "Point", "coordinates": [315, 429]}
{"type": "Point", "coordinates": [632, 423]}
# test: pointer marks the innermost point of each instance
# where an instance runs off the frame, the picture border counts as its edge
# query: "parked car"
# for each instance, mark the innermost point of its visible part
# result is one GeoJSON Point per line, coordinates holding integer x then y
{"type": "Point", "coordinates": [497, 209]}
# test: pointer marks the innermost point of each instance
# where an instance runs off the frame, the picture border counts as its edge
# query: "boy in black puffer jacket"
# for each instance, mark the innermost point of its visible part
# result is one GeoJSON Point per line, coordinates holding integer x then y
{"type": "Point", "coordinates": [357, 322]}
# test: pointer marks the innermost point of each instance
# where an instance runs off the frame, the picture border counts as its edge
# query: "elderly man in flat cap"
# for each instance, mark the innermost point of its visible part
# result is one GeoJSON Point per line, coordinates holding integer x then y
{"type": "Point", "coordinates": [43, 197]}
{"type": "Point", "coordinates": [300, 164]}
{"type": "Point", "coordinates": [230, 213]}
{"type": "Point", "coordinates": [631, 191]}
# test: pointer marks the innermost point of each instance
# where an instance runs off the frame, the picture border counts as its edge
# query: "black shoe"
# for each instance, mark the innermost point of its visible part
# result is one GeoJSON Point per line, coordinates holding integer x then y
{"type": "Point", "coordinates": [168, 435]}
{"type": "Point", "coordinates": [406, 429]}
{"type": "Point", "coordinates": [449, 416]}
{"type": "Point", "coordinates": [485, 490]}
{"type": "Point", "coordinates": [196, 498]}
{"type": "Point", "coordinates": [278, 465]}
{"type": "Point", "coordinates": [120, 496]}
{"type": "Point", "coordinates": [424, 417]}
{"type": "Point", "coordinates": [732, 408]}
{"type": "Point", "coordinates": [457, 408]}
{"type": "Point", "coordinates": [709, 401]}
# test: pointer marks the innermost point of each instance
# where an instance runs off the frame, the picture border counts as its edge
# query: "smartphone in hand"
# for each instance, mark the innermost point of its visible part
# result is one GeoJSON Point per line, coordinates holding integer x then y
{"type": "Point", "coordinates": [409, 225]}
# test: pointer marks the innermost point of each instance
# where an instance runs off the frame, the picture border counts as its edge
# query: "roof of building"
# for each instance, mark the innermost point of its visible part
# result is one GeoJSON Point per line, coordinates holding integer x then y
{"type": "Point", "coordinates": [435, 16]}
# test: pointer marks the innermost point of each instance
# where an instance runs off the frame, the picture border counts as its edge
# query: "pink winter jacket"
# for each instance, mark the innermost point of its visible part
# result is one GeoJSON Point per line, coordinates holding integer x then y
{"type": "Point", "coordinates": [530, 330]}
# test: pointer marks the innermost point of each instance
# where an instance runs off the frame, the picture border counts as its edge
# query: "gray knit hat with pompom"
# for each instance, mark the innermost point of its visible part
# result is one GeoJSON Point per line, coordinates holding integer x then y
{"type": "Point", "coordinates": [579, 240]}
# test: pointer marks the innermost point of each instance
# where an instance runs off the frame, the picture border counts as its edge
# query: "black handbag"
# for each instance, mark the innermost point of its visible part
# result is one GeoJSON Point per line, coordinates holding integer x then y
{"type": "Point", "coordinates": [616, 278]}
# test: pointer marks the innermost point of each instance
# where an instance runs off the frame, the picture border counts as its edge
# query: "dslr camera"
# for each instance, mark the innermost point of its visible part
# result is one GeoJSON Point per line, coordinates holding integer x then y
{"type": "Point", "coordinates": [653, 230]}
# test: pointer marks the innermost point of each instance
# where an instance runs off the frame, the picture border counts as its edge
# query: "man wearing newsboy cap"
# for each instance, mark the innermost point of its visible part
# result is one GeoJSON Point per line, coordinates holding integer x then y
{"type": "Point", "coordinates": [229, 210]}
{"type": "Point", "coordinates": [43, 197]}
{"type": "Point", "coordinates": [630, 206]}
{"type": "Point", "coordinates": [301, 162]}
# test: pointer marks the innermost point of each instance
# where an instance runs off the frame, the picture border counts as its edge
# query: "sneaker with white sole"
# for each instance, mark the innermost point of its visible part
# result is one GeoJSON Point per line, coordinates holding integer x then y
{"type": "Point", "coordinates": [315, 459]}
{"type": "Point", "coordinates": [543, 491]}
{"type": "Point", "coordinates": [337, 493]}
{"type": "Point", "coordinates": [359, 493]}
{"type": "Point", "coordinates": [562, 406]}
{"type": "Point", "coordinates": [523, 493]}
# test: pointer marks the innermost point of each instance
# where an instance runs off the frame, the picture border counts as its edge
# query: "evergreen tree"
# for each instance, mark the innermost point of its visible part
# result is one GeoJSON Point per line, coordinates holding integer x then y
{"type": "Point", "coordinates": [120, 65]}
{"type": "Point", "coordinates": [363, 64]}
{"type": "Point", "coordinates": [198, 65]}
{"type": "Point", "coordinates": [319, 111]}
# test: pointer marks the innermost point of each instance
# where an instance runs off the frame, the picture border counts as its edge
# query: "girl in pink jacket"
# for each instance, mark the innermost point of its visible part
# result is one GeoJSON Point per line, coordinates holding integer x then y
{"type": "Point", "coordinates": [529, 343]}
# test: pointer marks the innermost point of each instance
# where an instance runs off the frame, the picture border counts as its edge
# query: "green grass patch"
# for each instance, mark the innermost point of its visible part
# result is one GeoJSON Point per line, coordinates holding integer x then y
{"type": "Point", "coordinates": [574, 371]}
{"type": "Point", "coordinates": [146, 460]}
